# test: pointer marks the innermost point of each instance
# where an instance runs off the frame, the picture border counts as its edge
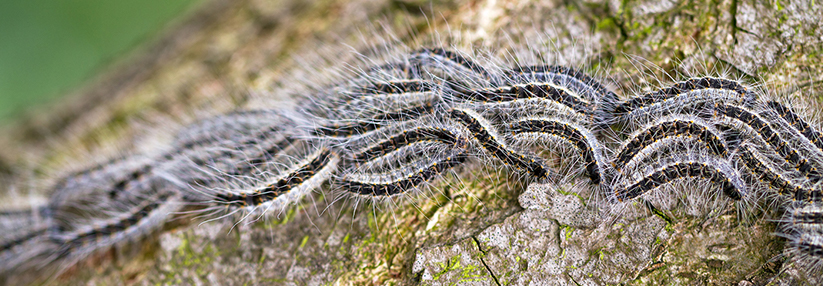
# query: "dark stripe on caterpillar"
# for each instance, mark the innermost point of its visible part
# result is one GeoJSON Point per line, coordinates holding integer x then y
{"type": "Point", "coordinates": [263, 158]}
{"type": "Point", "coordinates": [405, 138]}
{"type": "Point", "coordinates": [807, 216]}
{"type": "Point", "coordinates": [528, 91]}
{"type": "Point", "coordinates": [440, 54]}
{"type": "Point", "coordinates": [379, 96]}
{"type": "Point", "coordinates": [532, 165]}
{"type": "Point", "coordinates": [535, 72]}
{"type": "Point", "coordinates": [809, 244]}
{"type": "Point", "coordinates": [772, 138]}
{"type": "Point", "coordinates": [282, 186]}
{"type": "Point", "coordinates": [26, 213]}
{"type": "Point", "coordinates": [397, 86]}
{"type": "Point", "coordinates": [666, 129]}
{"type": "Point", "coordinates": [73, 240]}
{"type": "Point", "coordinates": [777, 181]}
{"type": "Point", "coordinates": [338, 130]}
{"type": "Point", "coordinates": [678, 89]}
{"type": "Point", "coordinates": [409, 182]}
{"type": "Point", "coordinates": [22, 239]}
{"type": "Point", "coordinates": [798, 123]}
{"type": "Point", "coordinates": [676, 171]}
{"type": "Point", "coordinates": [566, 132]}
{"type": "Point", "coordinates": [766, 174]}
{"type": "Point", "coordinates": [85, 172]}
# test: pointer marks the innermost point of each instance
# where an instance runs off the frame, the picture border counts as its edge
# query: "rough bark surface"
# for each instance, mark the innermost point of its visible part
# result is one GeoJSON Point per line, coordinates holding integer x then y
{"type": "Point", "coordinates": [478, 232]}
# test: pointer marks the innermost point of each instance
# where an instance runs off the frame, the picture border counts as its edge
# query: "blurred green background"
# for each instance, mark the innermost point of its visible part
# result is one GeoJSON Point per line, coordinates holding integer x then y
{"type": "Point", "coordinates": [48, 47]}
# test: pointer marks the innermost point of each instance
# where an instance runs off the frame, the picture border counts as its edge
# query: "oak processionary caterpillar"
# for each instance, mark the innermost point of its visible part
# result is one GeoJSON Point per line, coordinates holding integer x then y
{"type": "Point", "coordinates": [390, 130]}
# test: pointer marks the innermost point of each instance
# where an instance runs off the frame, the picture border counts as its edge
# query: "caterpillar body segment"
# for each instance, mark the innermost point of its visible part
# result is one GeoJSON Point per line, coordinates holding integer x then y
{"type": "Point", "coordinates": [407, 137]}
{"type": "Point", "coordinates": [281, 180]}
{"type": "Point", "coordinates": [765, 130]}
{"type": "Point", "coordinates": [800, 125]}
{"type": "Point", "coordinates": [101, 190]}
{"type": "Point", "coordinates": [131, 224]}
{"type": "Point", "coordinates": [21, 218]}
{"type": "Point", "coordinates": [26, 250]}
{"type": "Point", "coordinates": [409, 181]}
{"type": "Point", "coordinates": [717, 171]}
{"type": "Point", "coordinates": [665, 132]}
{"type": "Point", "coordinates": [601, 98]}
{"type": "Point", "coordinates": [446, 65]}
{"type": "Point", "coordinates": [578, 136]}
{"type": "Point", "coordinates": [401, 161]}
{"type": "Point", "coordinates": [22, 235]}
{"type": "Point", "coordinates": [567, 77]}
{"type": "Point", "coordinates": [108, 179]}
{"type": "Point", "coordinates": [805, 216]}
{"type": "Point", "coordinates": [528, 93]}
{"type": "Point", "coordinates": [808, 247]}
{"type": "Point", "coordinates": [226, 127]}
{"type": "Point", "coordinates": [489, 140]}
{"type": "Point", "coordinates": [779, 180]}
{"type": "Point", "coordinates": [798, 132]}
{"type": "Point", "coordinates": [685, 88]}
{"type": "Point", "coordinates": [248, 155]}
{"type": "Point", "coordinates": [306, 176]}
{"type": "Point", "coordinates": [692, 96]}
{"type": "Point", "coordinates": [389, 103]}
{"type": "Point", "coordinates": [369, 99]}
{"type": "Point", "coordinates": [382, 89]}
{"type": "Point", "coordinates": [802, 225]}
{"type": "Point", "coordinates": [361, 127]}
{"type": "Point", "coordinates": [20, 238]}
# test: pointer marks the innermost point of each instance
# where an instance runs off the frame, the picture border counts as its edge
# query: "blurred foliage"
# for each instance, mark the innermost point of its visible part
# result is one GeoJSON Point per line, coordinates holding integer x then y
{"type": "Point", "coordinates": [48, 47]}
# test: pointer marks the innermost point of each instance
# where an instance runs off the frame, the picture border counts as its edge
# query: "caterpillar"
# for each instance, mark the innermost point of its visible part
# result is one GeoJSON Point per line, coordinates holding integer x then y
{"type": "Point", "coordinates": [488, 138]}
{"type": "Point", "coordinates": [532, 91]}
{"type": "Point", "coordinates": [665, 129]}
{"type": "Point", "coordinates": [398, 126]}
{"type": "Point", "coordinates": [766, 131]}
{"type": "Point", "coordinates": [406, 138]}
{"type": "Point", "coordinates": [408, 181]}
{"type": "Point", "coordinates": [136, 222]}
{"type": "Point", "coordinates": [685, 96]}
{"type": "Point", "coordinates": [582, 139]}
{"type": "Point", "coordinates": [286, 184]}
{"type": "Point", "coordinates": [716, 171]}
{"type": "Point", "coordinates": [798, 123]}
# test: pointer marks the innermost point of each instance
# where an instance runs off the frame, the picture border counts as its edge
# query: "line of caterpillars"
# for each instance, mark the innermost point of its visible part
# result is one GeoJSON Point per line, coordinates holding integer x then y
{"type": "Point", "coordinates": [440, 110]}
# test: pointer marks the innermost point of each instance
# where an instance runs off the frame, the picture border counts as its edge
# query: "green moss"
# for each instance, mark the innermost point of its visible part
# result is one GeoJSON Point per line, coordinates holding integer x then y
{"type": "Point", "coordinates": [562, 191]}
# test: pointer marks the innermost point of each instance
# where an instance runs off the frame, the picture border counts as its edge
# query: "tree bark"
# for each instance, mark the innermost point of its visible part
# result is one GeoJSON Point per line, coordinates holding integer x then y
{"type": "Point", "coordinates": [232, 54]}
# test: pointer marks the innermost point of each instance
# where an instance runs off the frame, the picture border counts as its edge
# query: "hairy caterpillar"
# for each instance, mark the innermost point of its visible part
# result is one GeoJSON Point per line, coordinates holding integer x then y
{"type": "Point", "coordinates": [662, 131]}
{"type": "Point", "coordinates": [277, 166]}
{"type": "Point", "coordinates": [798, 123]}
{"type": "Point", "coordinates": [484, 133]}
{"type": "Point", "coordinates": [716, 171]}
{"type": "Point", "coordinates": [765, 131]}
{"type": "Point", "coordinates": [307, 173]}
{"type": "Point", "coordinates": [582, 139]}
{"type": "Point", "coordinates": [405, 138]}
{"type": "Point", "coordinates": [531, 91]}
{"type": "Point", "coordinates": [406, 182]}
{"type": "Point", "coordinates": [694, 93]}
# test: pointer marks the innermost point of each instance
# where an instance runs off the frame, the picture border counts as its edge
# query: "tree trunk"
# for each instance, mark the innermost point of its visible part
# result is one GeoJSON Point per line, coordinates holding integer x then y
{"type": "Point", "coordinates": [481, 231]}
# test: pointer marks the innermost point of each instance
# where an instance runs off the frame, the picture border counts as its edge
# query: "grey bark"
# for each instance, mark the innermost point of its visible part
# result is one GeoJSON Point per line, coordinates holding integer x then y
{"type": "Point", "coordinates": [480, 232]}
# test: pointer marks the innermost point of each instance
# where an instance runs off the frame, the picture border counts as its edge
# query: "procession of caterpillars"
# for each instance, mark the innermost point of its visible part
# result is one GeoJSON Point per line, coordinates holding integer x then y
{"type": "Point", "coordinates": [393, 129]}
